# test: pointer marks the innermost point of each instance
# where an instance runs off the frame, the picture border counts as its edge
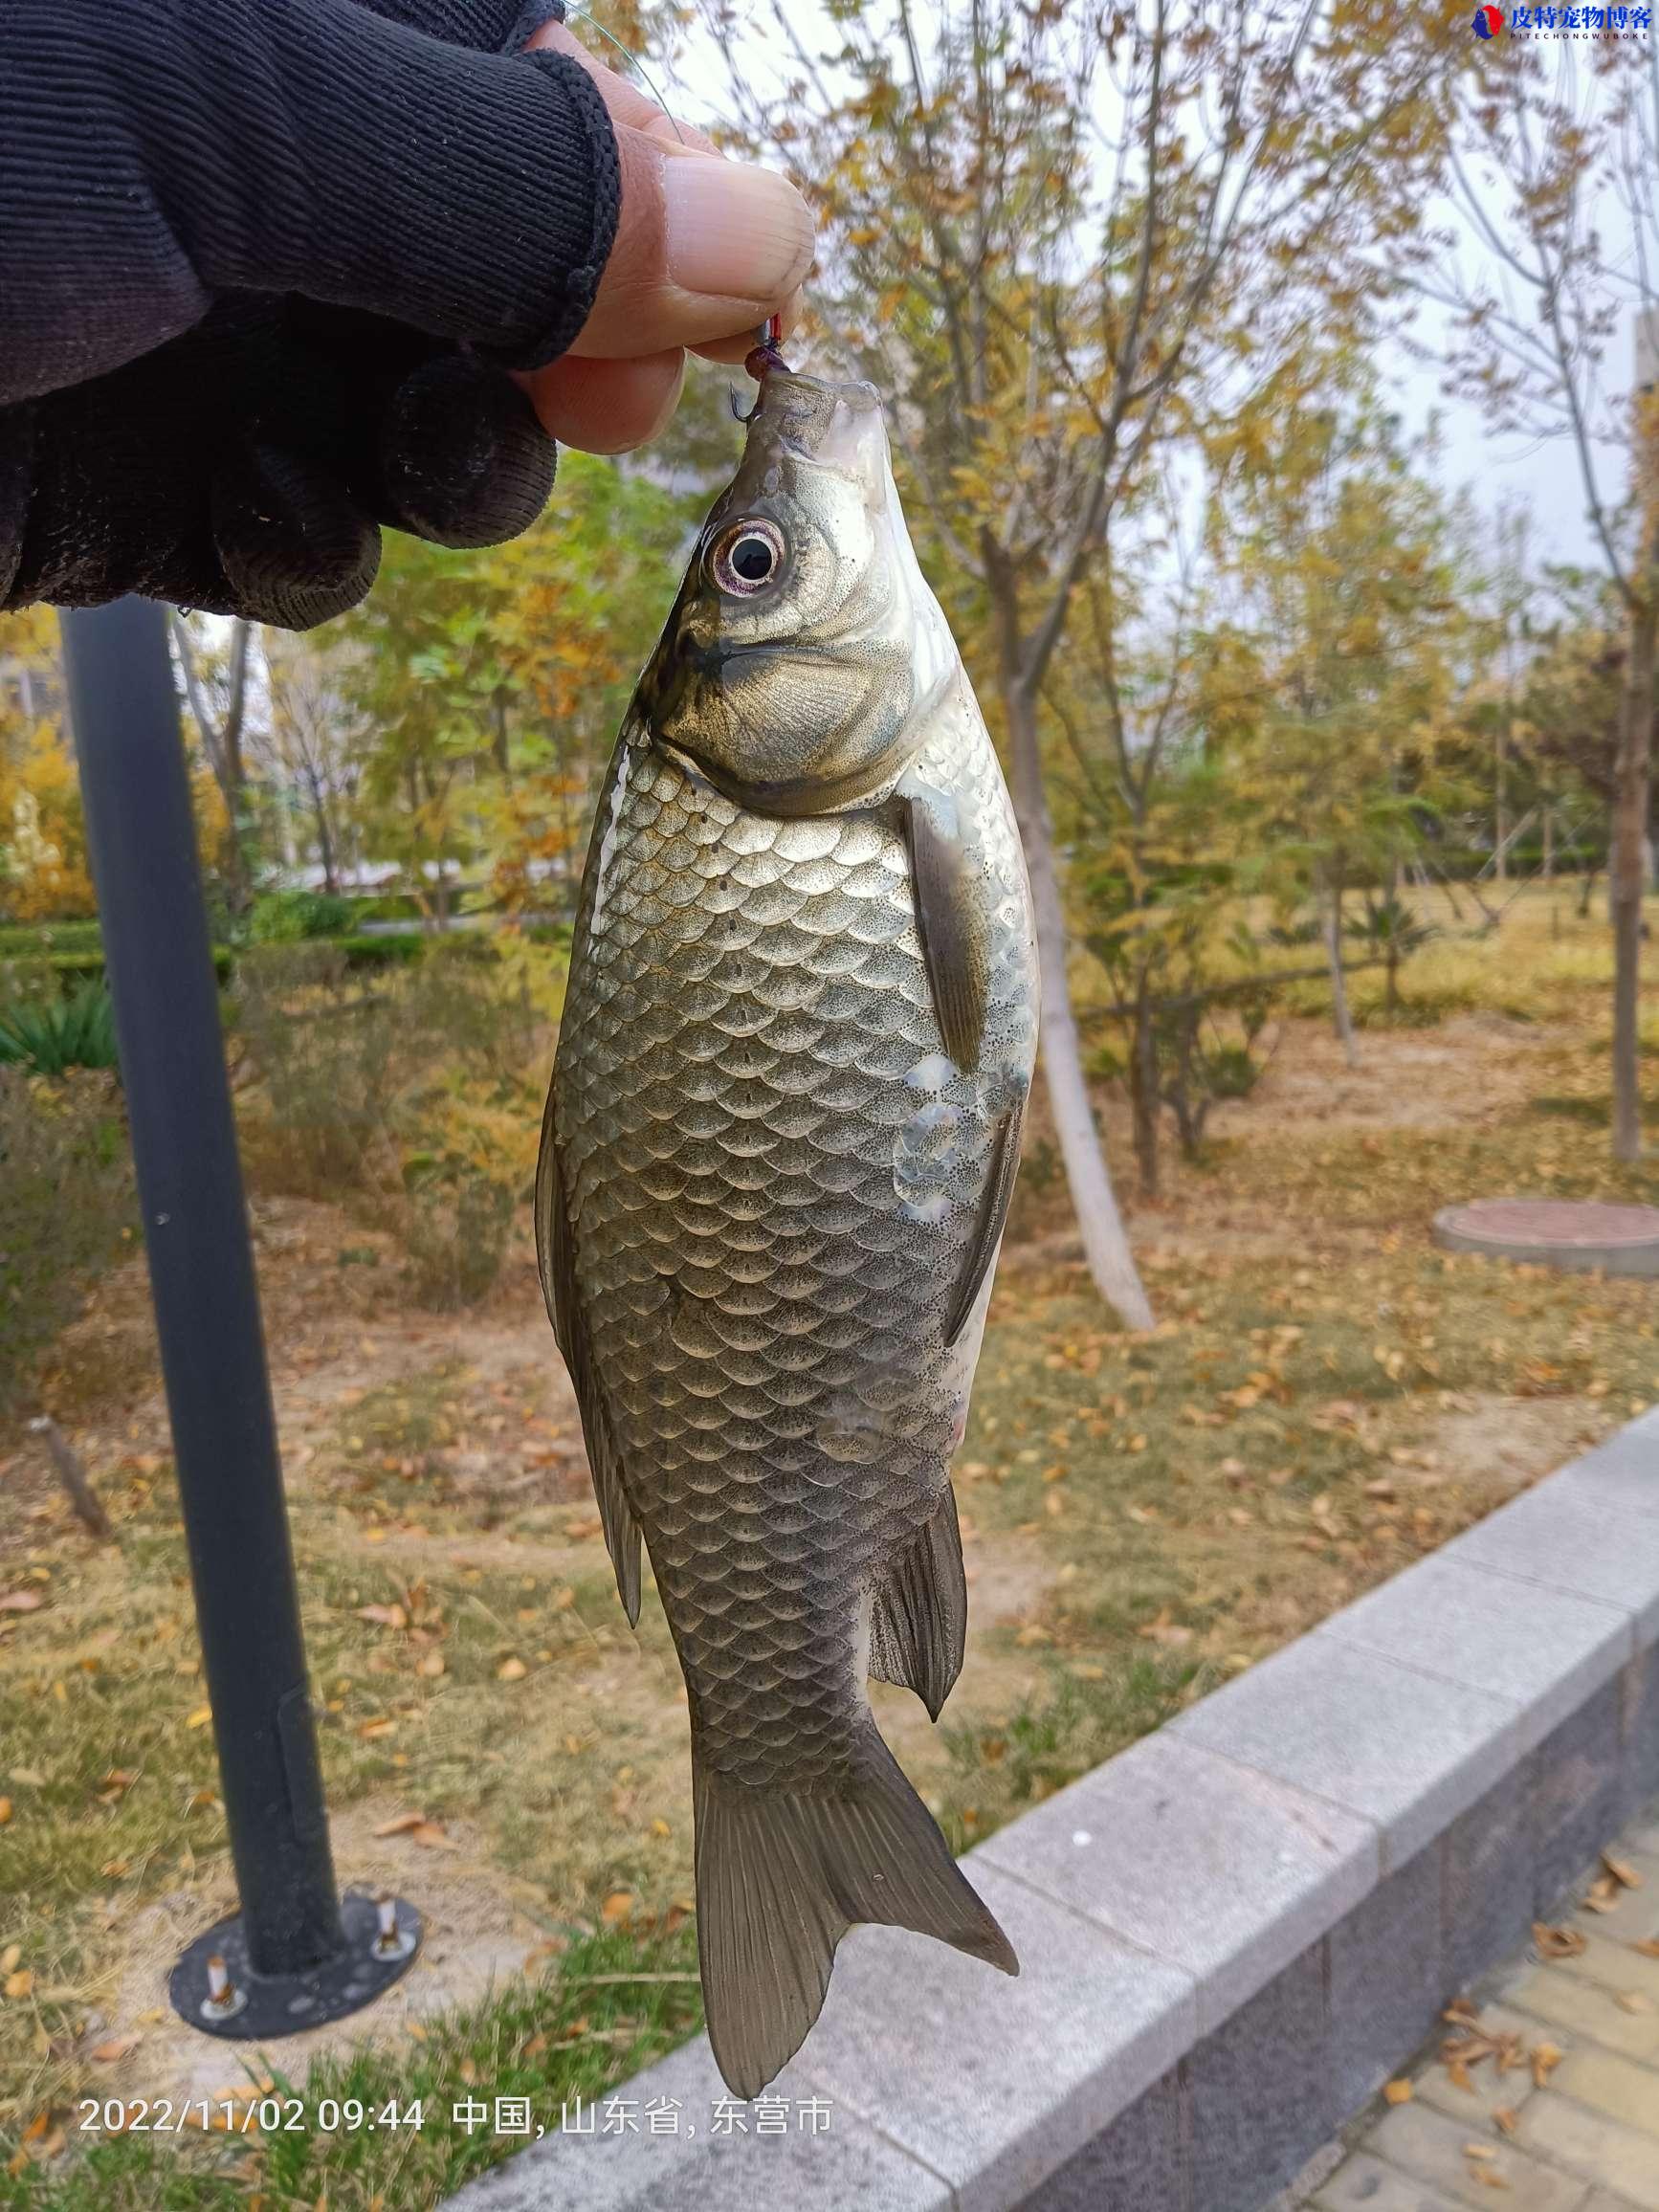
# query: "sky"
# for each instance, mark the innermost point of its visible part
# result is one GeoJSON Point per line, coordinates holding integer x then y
{"type": "Point", "coordinates": [1475, 455]}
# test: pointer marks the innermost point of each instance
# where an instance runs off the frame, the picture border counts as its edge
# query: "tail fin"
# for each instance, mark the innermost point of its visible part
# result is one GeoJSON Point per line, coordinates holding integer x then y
{"type": "Point", "coordinates": [781, 1879]}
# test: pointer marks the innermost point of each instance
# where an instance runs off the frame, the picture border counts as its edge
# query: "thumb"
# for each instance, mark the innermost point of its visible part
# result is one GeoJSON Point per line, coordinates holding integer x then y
{"type": "Point", "coordinates": [705, 249]}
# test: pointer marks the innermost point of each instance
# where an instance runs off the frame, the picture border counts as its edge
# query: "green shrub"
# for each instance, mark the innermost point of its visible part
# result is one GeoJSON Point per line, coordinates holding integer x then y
{"type": "Point", "coordinates": [51, 1035]}
{"type": "Point", "coordinates": [293, 917]}
{"type": "Point", "coordinates": [455, 1231]}
{"type": "Point", "coordinates": [37, 940]}
{"type": "Point", "coordinates": [324, 1050]}
{"type": "Point", "coordinates": [404, 1087]}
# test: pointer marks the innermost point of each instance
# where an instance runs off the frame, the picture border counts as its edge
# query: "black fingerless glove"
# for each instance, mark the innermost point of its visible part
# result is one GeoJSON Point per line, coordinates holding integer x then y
{"type": "Point", "coordinates": [264, 265]}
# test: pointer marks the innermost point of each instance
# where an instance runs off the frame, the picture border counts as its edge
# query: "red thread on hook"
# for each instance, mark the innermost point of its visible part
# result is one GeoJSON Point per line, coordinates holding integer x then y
{"type": "Point", "coordinates": [768, 354]}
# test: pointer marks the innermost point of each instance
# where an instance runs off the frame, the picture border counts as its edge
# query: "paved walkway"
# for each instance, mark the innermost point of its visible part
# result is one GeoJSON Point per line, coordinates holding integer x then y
{"type": "Point", "coordinates": [1543, 2099]}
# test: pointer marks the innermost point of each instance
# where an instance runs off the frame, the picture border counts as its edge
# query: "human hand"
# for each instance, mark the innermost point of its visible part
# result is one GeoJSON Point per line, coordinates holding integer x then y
{"type": "Point", "coordinates": [266, 298]}
{"type": "Point", "coordinates": [706, 251]}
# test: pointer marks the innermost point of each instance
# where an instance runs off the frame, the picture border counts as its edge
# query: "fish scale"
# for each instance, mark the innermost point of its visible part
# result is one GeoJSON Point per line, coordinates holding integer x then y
{"type": "Point", "coordinates": [633, 1073]}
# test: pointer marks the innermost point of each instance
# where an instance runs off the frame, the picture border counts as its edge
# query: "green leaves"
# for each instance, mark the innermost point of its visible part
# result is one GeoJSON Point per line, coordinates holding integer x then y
{"type": "Point", "coordinates": [50, 1036]}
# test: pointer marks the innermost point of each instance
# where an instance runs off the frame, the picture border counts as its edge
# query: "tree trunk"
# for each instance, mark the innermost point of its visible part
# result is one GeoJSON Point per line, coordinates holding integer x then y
{"type": "Point", "coordinates": [324, 835]}
{"type": "Point", "coordinates": [1627, 879]}
{"type": "Point", "coordinates": [502, 752]}
{"type": "Point", "coordinates": [1105, 1244]}
{"type": "Point", "coordinates": [1549, 845]}
{"type": "Point", "coordinates": [71, 1472]}
{"type": "Point", "coordinates": [1143, 1092]}
{"type": "Point", "coordinates": [222, 744]}
{"type": "Point", "coordinates": [1341, 1018]}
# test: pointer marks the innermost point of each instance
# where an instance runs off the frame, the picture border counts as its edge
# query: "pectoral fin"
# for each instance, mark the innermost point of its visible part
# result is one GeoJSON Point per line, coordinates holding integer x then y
{"type": "Point", "coordinates": [556, 1257]}
{"type": "Point", "coordinates": [953, 938]}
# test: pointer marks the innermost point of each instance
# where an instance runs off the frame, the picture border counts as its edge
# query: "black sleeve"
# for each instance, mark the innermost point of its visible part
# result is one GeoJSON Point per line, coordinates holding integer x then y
{"type": "Point", "coordinates": [156, 155]}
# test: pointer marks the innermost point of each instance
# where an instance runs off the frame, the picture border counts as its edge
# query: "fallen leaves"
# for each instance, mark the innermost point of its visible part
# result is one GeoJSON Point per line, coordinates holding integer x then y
{"type": "Point", "coordinates": [1609, 1887]}
{"type": "Point", "coordinates": [511, 1671]}
{"type": "Point", "coordinates": [1553, 1943]}
{"type": "Point", "coordinates": [1173, 1635]}
{"type": "Point", "coordinates": [41, 2139]}
{"type": "Point", "coordinates": [21, 1602]}
{"type": "Point", "coordinates": [384, 1616]}
{"type": "Point", "coordinates": [420, 1829]}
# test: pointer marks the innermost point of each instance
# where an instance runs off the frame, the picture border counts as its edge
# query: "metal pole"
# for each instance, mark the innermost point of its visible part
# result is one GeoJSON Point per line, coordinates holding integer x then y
{"type": "Point", "coordinates": [289, 1960]}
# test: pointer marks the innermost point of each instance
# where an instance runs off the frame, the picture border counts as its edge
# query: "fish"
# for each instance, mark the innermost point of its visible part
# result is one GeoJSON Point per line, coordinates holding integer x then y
{"type": "Point", "coordinates": [777, 1159]}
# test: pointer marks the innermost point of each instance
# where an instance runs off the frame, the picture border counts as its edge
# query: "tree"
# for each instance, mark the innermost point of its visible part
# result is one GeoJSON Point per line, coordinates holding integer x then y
{"type": "Point", "coordinates": [1061, 239]}
{"type": "Point", "coordinates": [577, 605]}
{"type": "Point", "coordinates": [492, 684]}
{"type": "Point", "coordinates": [1571, 707]}
{"type": "Point", "coordinates": [212, 671]}
{"type": "Point", "coordinates": [1558, 179]}
{"type": "Point", "coordinates": [43, 871]}
{"type": "Point", "coordinates": [312, 741]}
{"type": "Point", "coordinates": [423, 676]}
{"type": "Point", "coordinates": [1338, 557]}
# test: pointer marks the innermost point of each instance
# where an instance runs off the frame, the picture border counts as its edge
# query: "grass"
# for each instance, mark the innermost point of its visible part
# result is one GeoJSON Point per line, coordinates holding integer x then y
{"type": "Point", "coordinates": [1326, 1398]}
{"type": "Point", "coordinates": [610, 2005]}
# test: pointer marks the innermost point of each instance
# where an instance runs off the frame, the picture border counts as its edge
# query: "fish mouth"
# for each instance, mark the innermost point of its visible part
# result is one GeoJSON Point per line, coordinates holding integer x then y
{"type": "Point", "coordinates": [819, 420]}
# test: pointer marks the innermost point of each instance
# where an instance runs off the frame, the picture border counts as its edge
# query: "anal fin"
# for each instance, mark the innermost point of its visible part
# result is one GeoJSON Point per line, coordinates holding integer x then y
{"type": "Point", "coordinates": [988, 1223]}
{"type": "Point", "coordinates": [918, 1619]}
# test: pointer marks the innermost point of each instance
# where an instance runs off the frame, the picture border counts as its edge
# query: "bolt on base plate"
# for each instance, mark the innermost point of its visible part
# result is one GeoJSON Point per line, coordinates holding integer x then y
{"type": "Point", "coordinates": [214, 1989]}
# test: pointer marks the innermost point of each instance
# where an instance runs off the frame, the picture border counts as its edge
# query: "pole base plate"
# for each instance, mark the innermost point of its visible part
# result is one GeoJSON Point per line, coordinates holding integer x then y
{"type": "Point", "coordinates": [258, 2007]}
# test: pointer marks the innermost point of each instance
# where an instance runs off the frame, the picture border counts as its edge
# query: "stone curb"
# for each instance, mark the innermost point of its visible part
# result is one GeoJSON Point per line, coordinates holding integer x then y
{"type": "Point", "coordinates": [1234, 1932]}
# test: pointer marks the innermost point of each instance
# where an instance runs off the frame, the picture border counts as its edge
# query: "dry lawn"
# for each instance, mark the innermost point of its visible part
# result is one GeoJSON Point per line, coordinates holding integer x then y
{"type": "Point", "coordinates": [1326, 1398]}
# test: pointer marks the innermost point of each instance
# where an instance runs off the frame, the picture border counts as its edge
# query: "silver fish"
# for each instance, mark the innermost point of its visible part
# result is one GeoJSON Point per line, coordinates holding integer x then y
{"type": "Point", "coordinates": [777, 1156]}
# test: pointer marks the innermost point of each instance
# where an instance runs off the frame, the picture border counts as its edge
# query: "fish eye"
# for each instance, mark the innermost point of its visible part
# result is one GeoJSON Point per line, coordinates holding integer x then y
{"type": "Point", "coordinates": [747, 558]}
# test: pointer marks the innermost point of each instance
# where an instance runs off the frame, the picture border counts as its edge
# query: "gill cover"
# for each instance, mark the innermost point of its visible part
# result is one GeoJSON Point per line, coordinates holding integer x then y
{"type": "Point", "coordinates": [805, 645]}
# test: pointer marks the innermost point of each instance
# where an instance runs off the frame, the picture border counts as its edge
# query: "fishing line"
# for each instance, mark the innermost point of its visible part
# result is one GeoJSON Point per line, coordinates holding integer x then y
{"type": "Point", "coordinates": [588, 16]}
{"type": "Point", "coordinates": [767, 351]}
